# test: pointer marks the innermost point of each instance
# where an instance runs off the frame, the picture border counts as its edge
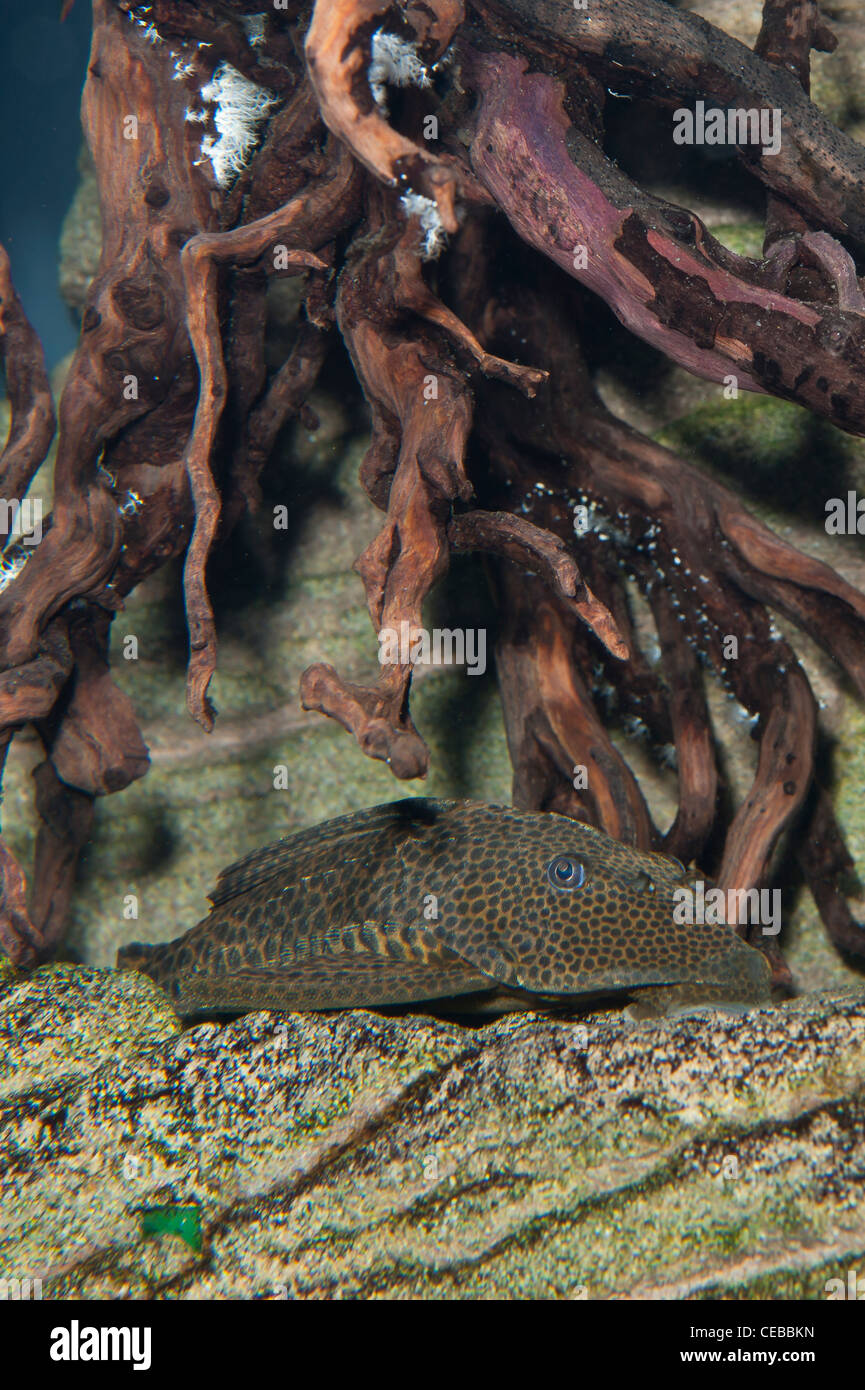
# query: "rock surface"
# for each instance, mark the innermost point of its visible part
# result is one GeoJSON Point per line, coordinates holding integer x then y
{"type": "Point", "coordinates": [358, 1155]}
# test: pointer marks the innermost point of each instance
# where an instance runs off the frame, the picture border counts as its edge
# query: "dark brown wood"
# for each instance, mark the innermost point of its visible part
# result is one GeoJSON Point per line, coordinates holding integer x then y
{"type": "Point", "coordinates": [28, 390]}
{"type": "Point", "coordinates": [657, 266]}
{"type": "Point", "coordinates": [65, 826]}
{"type": "Point", "coordinates": [677, 58]}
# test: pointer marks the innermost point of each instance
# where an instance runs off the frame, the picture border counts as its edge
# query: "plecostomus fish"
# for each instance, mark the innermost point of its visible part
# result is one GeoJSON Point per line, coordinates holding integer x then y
{"type": "Point", "coordinates": [423, 900]}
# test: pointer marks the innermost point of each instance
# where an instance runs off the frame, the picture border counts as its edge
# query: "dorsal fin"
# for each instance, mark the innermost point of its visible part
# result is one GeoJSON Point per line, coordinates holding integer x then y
{"type": "Point", "coordinates": [348, 836]}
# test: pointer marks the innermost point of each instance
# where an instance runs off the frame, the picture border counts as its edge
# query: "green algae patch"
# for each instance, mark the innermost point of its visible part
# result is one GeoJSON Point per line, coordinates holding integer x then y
{"type": "Point", "coordinates": [743, 238]}
{"type": "Point", "coordinates": [849, 802]}
{"type": "Point", "coordinates": [184, 1222]}
{"type": "Point", "coordinates": [768, 448]}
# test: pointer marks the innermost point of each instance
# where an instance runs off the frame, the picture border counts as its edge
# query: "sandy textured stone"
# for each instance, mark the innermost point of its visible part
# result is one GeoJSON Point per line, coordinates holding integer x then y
{"type": "Point", "coordinates": [357, 1155]}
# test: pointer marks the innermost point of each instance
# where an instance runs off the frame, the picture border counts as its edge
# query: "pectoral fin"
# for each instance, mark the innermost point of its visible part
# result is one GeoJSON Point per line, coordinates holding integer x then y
{"type": "Point", "coordinates": [346, 981]}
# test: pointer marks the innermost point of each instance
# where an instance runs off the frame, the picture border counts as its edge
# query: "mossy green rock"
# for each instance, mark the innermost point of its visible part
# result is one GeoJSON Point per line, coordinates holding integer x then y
{"type": "Point", "coordinates": [770, 450]}
{"type": "Point", "coordinates": [356, 1155]}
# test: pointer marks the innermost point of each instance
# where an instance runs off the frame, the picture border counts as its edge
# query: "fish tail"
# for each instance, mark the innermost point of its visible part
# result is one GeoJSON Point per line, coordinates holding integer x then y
{"type": "Point", "coordinates": [153, 961]}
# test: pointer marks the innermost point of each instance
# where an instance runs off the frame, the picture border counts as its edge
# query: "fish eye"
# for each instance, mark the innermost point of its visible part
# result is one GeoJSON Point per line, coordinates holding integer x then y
{"type": "Point", "coordinates": [644, 883]}
{"type": "Point", "coordinates": [565, 872]}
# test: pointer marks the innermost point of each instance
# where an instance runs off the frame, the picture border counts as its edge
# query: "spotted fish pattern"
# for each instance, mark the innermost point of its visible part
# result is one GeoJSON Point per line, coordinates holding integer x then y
{"type": "Point", "coordinates": [424, 899]}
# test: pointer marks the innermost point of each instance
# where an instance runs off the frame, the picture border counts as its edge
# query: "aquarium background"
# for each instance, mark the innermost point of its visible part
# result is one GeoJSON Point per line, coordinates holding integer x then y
{"type": "Point", "coordinates": [286, 599]}
{"type": "Point", "coordinates": [44, 65]}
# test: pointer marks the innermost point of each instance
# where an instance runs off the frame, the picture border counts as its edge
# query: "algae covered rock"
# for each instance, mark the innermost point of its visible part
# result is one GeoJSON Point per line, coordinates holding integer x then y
{"type": "Point", "coordinates": [360, 1155]}
{"type": "Point", "coordinates": [60, 1024]}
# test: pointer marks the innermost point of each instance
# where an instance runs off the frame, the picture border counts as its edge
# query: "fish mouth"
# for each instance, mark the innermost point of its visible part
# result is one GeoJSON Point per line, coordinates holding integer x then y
{"type": "Point", "coordinates": [743, 970]}
{"type": "Point", "coordinates": [758, 968]}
